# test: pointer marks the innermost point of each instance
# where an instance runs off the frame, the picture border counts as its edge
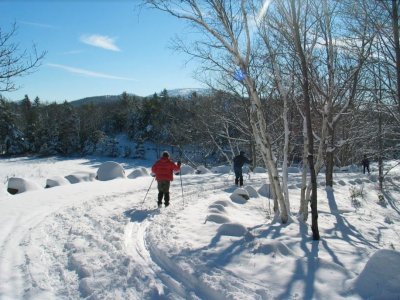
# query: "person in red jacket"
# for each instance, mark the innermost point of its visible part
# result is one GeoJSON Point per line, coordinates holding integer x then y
{"type": "Point", "coordinates": [163, 170]}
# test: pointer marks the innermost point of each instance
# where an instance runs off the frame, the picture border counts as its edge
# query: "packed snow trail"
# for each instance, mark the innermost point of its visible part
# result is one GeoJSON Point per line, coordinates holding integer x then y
{"type": "Point", "coordinates": [96, 248]}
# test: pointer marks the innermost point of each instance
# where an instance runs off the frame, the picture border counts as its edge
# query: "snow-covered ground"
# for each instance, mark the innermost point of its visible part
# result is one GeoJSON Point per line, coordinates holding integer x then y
{"type": "Point", "coordinates": [104, 240]}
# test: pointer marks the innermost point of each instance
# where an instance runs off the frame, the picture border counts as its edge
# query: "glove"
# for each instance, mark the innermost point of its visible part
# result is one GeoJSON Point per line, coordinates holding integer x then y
{"type": "Point", "coordinates": [179, 163]}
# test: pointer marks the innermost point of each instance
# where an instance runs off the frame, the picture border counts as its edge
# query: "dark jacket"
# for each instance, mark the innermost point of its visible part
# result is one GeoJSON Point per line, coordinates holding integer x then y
{"type": "Point", "coordinates": [239, 161]}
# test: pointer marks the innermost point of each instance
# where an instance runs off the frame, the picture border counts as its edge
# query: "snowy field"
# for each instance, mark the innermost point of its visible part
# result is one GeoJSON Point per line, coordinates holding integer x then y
{"type": "Point", "coordinates": [98, 239]}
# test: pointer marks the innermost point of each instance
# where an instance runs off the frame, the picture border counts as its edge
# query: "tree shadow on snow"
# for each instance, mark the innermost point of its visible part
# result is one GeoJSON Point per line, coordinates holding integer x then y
{"type": "Point", "coordinates": [304, 272]}
{"type": "Point", "coordinates": [349, 233]}
{"type": "Point", "coordinates": [139, 215]}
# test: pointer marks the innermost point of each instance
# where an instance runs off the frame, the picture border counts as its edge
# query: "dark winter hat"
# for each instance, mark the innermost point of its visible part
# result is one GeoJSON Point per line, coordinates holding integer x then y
{"type": "Point", "coordinates": [165, 154]}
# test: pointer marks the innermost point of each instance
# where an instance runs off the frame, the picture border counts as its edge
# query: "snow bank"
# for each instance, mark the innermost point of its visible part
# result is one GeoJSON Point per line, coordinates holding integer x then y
{"type": "Point", "coordinates": [138, 173]}
{"type": "Point", "coordinates": [110, 170]}
{"type": "Point", "coordinates": [21, 185]}
{"type": "Point", "coordinates": [81, 177]}
{"type": "Point", "coordinates": [380, 278]}
{"type": "Point", "coordinates": [56, 181]}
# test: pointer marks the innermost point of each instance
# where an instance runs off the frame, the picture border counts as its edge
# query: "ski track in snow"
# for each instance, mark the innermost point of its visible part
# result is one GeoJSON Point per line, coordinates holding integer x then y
{"type": "Point", "coordinates": [145, 272]}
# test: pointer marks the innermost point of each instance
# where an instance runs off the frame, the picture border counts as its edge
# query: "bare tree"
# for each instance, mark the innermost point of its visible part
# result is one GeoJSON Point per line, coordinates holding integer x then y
{"type": "Point", "coordinates": [15, 62]}
{"type": "Point", "coordinates": [227, 45]}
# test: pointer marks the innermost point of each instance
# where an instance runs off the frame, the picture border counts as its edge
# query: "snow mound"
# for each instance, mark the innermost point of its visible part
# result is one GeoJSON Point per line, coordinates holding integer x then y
{"type": "Point", "coordinates": [221, 169]}
{"type": "Point", "coordinates": [110, 170]}
{"type": "Point", "coordinates": [259, 170]}
{"type": "Point", "coordinates": [138, 173]}
{"type": "Point", "coordinates": [81, 177]}
{"type": "Point", "coordinates": [341, 182]}
{"type": "Point", "coordinates": [21, 185]}
{"type": "Point", "coordinates": [217, 218]}
{"type": "Point", "coordinates": [274, 248]}
{"type": "Point", "coordinates": [217, 207]}
{"type": "Point", "coordinates": [232, 229]}
{"type": "Point", "coordinates": [224, 203]}
{"type": "Point", "coordinates": [265, 190]}
{"type": "Point", "coordinates": [251, 191]}
{"type": "Point", "coordinates": [380, 277]}
{"type": "Point", "coordinates": [240, 196]}
{"type": "Point", "coordinates": [185, 170]}
{"type": "Point", "coordinates": [56, 181]}
{"type": "Point", "coordinates": [202, 170]}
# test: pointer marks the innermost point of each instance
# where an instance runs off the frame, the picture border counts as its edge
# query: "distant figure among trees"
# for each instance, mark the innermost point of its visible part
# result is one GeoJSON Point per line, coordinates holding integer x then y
{"type": "Point", "coordinates": [365, 163]}
{"type": "Point", "coordinates": [238, 163]}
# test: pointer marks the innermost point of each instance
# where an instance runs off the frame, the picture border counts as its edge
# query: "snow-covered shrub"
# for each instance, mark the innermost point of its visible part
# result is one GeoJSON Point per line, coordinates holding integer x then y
{"type": "Point", "coordinates": [388, 220]}
{"type": "Point", "coordinates": [356, 196]}
{"type": "Point", "coordinates": [110, 170]}
{"type": "Point", "coordinates": [381, 200]}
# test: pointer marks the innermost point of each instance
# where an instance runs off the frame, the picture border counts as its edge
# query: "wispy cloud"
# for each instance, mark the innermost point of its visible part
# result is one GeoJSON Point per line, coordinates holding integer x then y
{"type": "Point", "coordinates": [101, 41]}
{"type": "Point", "coordinates": [37, 24]}
{"type": "Point", "coordinates": [88, 72]}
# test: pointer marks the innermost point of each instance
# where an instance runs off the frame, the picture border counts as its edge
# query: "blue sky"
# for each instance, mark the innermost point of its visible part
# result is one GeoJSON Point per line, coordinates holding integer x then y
{"type": "Point", "coordinates": [96, 48]}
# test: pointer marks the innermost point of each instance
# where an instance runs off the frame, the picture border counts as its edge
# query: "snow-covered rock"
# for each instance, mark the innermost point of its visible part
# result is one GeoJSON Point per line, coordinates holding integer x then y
{"type": "Point", "coordinates": [138, 173]}
{"type": "Point", "coordinates": [265, 190]}
{"type": "Point", "coordinates": [202, 170]}
{"type": "Point", "coordinates": [21, 185]}
{"type": "Point", "coordinates": [56, 181]}
{"type": "Point", "coordinates": [232, 229]}
{"type": "Point", "coordinates": [110, 170]}
{"type": "Point", "coordinates": [81, 177]}
{"type": "Point", "coordinates": [251, 191]}
{"type": "Point", "coordinates": [217, 218]}
{"type": "Point", "coordinates": [185, 170]}
{"type": "Point", "coordinates": [240, 196]}
{"type": "Point", "coordinates": [380, 278]}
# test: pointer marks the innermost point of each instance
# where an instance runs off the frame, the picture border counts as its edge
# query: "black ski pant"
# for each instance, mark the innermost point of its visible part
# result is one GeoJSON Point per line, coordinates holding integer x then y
{"type": "Point", "coordinates": [163, 192]}
{"type": "Point", "coordinates": [238, 176]}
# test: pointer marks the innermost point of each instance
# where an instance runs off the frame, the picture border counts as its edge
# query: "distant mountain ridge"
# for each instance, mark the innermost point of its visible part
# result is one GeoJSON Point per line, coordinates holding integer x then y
{"type": "Point", "coordinates": [182, 93]}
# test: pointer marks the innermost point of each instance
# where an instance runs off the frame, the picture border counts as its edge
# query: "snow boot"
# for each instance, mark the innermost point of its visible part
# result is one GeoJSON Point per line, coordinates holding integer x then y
{"type": "Point", "coordinates": [166, 199]}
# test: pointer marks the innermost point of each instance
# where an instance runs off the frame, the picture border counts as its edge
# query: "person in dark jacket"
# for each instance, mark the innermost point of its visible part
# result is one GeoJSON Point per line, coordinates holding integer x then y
{"type": "Point", "coordinates": [365, 164]}
{"type": "Point", "coordinates": [238, 163]}
{"type": "Point", "coordinates": [163, 170]}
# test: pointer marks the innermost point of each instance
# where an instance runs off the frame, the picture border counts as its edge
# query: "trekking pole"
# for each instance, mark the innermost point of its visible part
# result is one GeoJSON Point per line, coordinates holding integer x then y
{"type": "Point", "coordinates": [180, 176]}
{"type": "Point", "coordinates": [148, 190]}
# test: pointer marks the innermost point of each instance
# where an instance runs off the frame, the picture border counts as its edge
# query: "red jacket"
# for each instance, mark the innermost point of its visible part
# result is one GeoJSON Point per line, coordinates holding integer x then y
{"type": "Point", "coordinates": [164, 168]}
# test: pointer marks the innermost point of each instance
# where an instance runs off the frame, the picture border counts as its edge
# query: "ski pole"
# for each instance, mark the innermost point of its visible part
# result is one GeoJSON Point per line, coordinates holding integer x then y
{"type": "Point", "coordinates": [180, 176]}
{"type": "Point", "coordinates": [148, 190]}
